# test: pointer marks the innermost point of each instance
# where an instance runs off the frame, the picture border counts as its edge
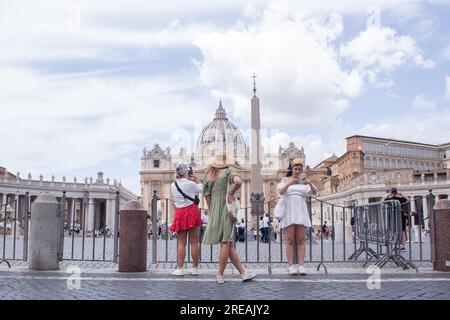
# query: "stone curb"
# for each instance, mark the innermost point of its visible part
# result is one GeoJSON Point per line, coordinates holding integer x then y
{"type": "Point", "coordinates": [228, 270]}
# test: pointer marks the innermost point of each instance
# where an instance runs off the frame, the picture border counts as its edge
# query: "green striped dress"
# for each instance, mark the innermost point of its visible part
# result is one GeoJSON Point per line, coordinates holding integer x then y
{"type": "Point", "coordinates": [220, 228]}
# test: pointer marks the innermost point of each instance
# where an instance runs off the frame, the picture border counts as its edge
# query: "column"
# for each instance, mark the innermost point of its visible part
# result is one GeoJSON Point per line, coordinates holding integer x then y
{"type": "Point", "coordinates": [97, 214]}
{"type": "Point", "coordinates": [16, 204]}
{"type": "Point", "coordinates": [165, 188]}
{"type": "Point", "coordinates": [112, 224]}
{"type": "Point", "coordinates": [70, 213]}
{"type": "Point", "coordinates": [425, 213]}
{"type": "Point", "coordinates": [19, 210]}
{"type": "Point", "coordinates": [247, 197]}
{"type": "Point", "coordinates": [415, 223]}
{"type": "Point", "coordinates": [78, 210]}
{"type": "Point", "coordinates": [4, 198]}
{"type": "Point", "coordinates": [109, 213]}
{"type": "Point", "coordinates": [145, 194]}
{"type": "Point", "coordinates": [244, 196]}
{"type": "Point", "coordinates": [90, 214]}
{"type": "Point", "coordinates": [413, 209]}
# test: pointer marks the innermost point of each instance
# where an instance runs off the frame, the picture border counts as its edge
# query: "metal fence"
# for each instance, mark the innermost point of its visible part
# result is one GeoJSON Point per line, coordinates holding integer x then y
{"type": "Point", "coordinates": [96, 245]}
{"type": "Point", "coordinates": [14, 231]}
{"type": "Point", "coordinates": [76, 242]}
{"type": "Point", "coordinates": [339, 234]}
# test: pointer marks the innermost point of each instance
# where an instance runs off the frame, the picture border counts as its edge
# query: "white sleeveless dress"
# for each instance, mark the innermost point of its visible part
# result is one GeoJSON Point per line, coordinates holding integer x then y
{"type": "Point", "coordinates": [296, 209]}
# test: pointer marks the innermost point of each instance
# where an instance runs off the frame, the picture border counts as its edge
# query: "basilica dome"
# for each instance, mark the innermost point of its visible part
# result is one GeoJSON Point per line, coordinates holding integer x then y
{"type": "Point", "coordinates": [221, 134]}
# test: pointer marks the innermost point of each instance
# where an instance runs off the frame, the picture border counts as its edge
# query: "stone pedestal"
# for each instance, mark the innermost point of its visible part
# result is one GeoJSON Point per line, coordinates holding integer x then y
{"type": "Point", "coordinates": [133, 238]}
{"type": "Point", "coordinates": [44, 234]}
{"type": "Point", "coordinates": [440, 236]}
{"type": "Point", "coordinates": [257, 206]}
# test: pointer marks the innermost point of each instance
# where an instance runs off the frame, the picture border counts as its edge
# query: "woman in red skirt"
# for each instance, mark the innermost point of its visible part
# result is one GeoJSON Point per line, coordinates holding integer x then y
{"type": "Point", "coordinates": [187, 216]}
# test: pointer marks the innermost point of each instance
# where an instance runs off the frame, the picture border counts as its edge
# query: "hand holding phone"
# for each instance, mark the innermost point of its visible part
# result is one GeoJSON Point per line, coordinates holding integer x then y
{"type": "Point", "coordinates": [301, 179]}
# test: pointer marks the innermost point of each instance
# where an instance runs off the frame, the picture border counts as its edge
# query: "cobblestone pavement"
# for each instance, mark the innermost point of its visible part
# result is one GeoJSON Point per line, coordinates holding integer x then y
{"type": "Point", "coordinates": [100, 280]}
{"type": "Point", "coordinates": [151, 285]}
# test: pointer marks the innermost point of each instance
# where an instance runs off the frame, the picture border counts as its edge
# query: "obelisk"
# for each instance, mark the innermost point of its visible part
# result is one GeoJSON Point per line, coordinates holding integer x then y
{"type": "Point", "coordinates": [256, 183]}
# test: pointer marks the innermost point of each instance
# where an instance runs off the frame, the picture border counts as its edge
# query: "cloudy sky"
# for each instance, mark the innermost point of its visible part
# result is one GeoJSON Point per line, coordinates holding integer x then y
{"type": "Point", "coordinates": [86, 85]}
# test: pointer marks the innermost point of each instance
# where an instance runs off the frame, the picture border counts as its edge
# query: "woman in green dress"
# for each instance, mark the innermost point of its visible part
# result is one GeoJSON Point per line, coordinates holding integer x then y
{"type": "Point", "coordinates": [220, 227]}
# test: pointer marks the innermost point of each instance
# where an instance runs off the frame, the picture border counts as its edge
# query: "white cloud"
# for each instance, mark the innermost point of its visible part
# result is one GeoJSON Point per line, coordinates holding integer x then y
{"type": "Point", "coordinates": [301, 78]}
{"type": "Point", "coordinates": [447, 92]}
{"type": "Point", "coordinates": [294, 57]}
{"type": "Point", "coordinates": [80, 123]}
{"type": "Point", "coordinates": [377, 52]}
{"type": "Point", "coordinates": [400, 127]}
{"type": "Point", "coordinates": [421, 102]}
{"type": "Point", "coordinates": [61, 122]}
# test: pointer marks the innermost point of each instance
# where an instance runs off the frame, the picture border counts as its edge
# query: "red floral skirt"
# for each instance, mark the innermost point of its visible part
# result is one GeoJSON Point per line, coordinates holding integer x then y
{"type": "Point", "coordinates": [186, 218]}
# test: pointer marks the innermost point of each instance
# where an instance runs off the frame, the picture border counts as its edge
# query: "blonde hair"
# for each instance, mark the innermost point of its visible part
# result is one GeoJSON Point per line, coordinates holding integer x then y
{"type": "Point", "coordinates": [213, 173]}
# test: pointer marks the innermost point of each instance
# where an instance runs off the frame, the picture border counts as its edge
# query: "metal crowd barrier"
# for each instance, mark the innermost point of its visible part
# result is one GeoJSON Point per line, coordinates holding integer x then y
{"type": "Point", "coordinates": [380, 223]}
{"type": "Point", "coordinates": [377, 229]}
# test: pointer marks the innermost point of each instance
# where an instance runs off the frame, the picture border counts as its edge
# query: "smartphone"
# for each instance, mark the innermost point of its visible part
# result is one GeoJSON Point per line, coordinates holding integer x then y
{"type": "Point", "coordinates": [190, 172]}
{"type": "Point", "coordinates": [301, 180]}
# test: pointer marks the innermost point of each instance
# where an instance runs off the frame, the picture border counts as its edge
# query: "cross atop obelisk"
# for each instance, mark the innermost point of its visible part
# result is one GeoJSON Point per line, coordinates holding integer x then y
{"type": "Point", "coordinates": [254, 84]}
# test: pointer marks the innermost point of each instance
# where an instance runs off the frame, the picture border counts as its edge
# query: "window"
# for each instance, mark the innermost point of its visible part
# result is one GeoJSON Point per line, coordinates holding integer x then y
{"type": "Point", "coordinates": [155, 163]}
{"type": "Point", "coordinates": [404, 152]}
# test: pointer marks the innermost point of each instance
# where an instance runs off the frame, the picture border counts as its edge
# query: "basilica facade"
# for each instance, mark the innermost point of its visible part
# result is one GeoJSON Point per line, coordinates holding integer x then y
{"type": "Point", "coordinates": [158, 165]}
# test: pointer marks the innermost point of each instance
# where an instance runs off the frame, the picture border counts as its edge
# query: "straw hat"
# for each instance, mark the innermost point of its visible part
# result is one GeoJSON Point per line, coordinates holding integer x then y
{"type": "Point", "coordinates": [220, 160]}
{"type": "Point", "coordinates": [296, 162]}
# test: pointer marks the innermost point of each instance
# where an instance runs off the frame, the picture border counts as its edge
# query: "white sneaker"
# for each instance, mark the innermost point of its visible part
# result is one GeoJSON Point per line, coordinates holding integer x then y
{"type": "Point", "coordinates": [178, 272]}
{"type": "Point", "coordinates": [301, 270]}
{"type": "Point", "coordinates": [293, 270]}
{"type": "Point", "coordinates": [194, 271]}
{"type": "Point", "coordinates": [220, 279]}
{"type": "Point", "coordinates": [247, 276]}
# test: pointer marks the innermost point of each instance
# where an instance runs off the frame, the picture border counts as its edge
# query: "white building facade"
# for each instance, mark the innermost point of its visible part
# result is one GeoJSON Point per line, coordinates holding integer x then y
{"type": "Point", "coordinates": [98, 198]}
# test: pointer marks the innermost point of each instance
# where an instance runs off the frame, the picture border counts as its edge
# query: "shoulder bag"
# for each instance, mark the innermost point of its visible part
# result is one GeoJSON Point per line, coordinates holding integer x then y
{"type": "Point", "coordinates": [196, 200]}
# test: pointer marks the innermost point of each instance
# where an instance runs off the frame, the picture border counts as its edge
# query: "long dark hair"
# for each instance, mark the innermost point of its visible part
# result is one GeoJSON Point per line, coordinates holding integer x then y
{"type": "Point", "coordinates": [289, 171]}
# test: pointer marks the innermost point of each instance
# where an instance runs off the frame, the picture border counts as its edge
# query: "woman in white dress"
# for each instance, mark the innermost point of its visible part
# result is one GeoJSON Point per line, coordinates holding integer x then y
{"type": "Point", "coordinates": [295, 187]}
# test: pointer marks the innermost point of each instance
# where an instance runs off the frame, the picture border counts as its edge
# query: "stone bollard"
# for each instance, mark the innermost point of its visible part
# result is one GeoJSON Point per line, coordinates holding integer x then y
{"type": "Point", "coordinates": [44, 234]}
{"type": "Point", "coordinates": [133, 238]}
{"type": "Point", "coordinates": [441, 235]}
